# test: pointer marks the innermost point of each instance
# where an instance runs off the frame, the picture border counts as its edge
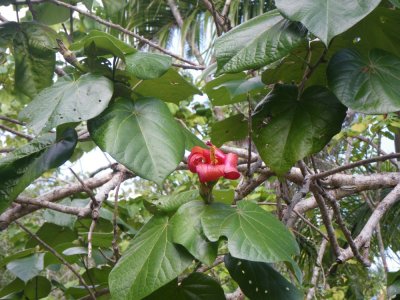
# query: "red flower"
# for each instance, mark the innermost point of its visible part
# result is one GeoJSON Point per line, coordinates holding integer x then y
{"type": "Point", "coordinates": [211, 164]}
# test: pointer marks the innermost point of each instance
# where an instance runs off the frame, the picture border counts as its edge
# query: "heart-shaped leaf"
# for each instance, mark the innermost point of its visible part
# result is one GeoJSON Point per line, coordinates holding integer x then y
{"type": "Point", "coordinates": [145, 65]}
{"type": "Point", "coordinates": [260, 281]}
{"type": "Point", "coordinates": [231, 129]}
{"type": "Point", "coordinates": [171, 203]}
{"type": "Point", "coordinates": [34, 53]}
{"type": "Point", "coordinates": [98, 43]}
{"type": "Point", "coordinates": [252, 233]}
{"type": "Point", "coordinates": [326, 19]}
{"type": "Point", "coordinates": [37, 288]}
{"type": "Point", "coordinates": [366, 84]}
{"type": "Point", "coordinates": [151, 262]}
{"type": "Point", "coordinates": [68, 101]}
{"type": "Point", "coordinates": [257, 42]}
{"type": "Point", "coordinates": [27, 267]}
{"type": "Point", "coordinates": [197, 286]}
{"type": "Point", "coordinates": [27, 163]}
{"type": "Point", "coordinates": [171, 87]}
{"type": "Point", "coordinates": [286, 129]}
{"type": "Point", "coordinates": [187, 231]}
{"type": "Point", "coordinates": [142, 135]}
{"type": "Point", "coordinates": [374, 31]}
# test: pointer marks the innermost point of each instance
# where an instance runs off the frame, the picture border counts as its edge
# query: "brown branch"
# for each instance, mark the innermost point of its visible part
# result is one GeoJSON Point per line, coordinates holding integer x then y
{"type": "Point", "coordinates": [115, 225]}
{"type": "Point", "coordinates": [205, 268]}
{"type": "Point", "coordinates": [317, 267]}
{"type": "Point", "coordinates": [365, 235]}
{"type": "Point", "coordinates": [379, 150]}
{"type": "Point", "coordinates": [17, 133]}
{"type": "Point", "coordinates": [119, 28]}
{"type": "Point", "coordinates": [11, 120]}
{"type": "Point", "coordinates": [59, 257]}
{"type": "Point", "coordinates": [327, 220]}
{"type": "Point", "coordinates": [354, 165]}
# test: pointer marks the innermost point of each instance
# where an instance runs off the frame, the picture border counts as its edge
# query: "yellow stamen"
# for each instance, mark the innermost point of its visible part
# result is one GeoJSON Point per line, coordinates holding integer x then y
{"type": "Point", "coordinates": [213, 158]}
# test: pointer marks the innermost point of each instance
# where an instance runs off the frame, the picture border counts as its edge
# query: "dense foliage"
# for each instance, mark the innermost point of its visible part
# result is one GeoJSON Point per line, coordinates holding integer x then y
{"type": "Point", "coordinates": [300, 97]}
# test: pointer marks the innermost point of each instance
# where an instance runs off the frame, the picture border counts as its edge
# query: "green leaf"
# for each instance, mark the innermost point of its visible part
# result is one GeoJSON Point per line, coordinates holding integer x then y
{"type": "Point", "coordinates": [75, 251]}
{"type": "Point", "coordinates": [233, 88]}
{"type": "Point", "coordinates": [28, 267]}
{"type": "Point", "coordinates": [13, 287]}
{"type": "Point", "coordinates": [286, 129]}
{"type": "Point", "coordinates": [366, 84]}
{"type": "Point", "coordinates": [50, 14]}
{"type": "Point", "coordinates": [326, 19]}
{"type": "Point", "coordinates": [257, 42]}
{"type": "Point", "coordinates": [374, 31]}
{"type": "Point", "coordinates": [191, 139]}
{"type": "Point", "coordinates": [151, 262]}
{"type": "Point", "coordinates": [17, 255]}
{"type": "Point", "coordinates": [142, 135]}
{"type": "Point", "coordinates": [19, 169]}
{"type": "Point", "coordinates": [234, 128]}
{"type": "Point", "coordinates": [113, 7]}
{"type": "Point", "coordinates": [145, 65]}
{"type": "Point", "coordinates": [170, 203]}
{"type": "Point", "coordinates": [187, 231]}
{"type": "Point", "coordinates": [34, 53]}
{"type": "Point", "coordinates": [252, 233]}
{"type": "Point", "coordinates": [59, 218]}
{"type": "Point", "coordinates": [37, 288]}
{"type": "Point", "coordinates": [171, 87]}
{"type": "Point", "coordinates": [68, 101]}
{"type": "Point", "coordinates": [393, 284]}
{"type": "Point", "coordinates": [97, 276]}
{"type": "Point", "coordinates": [197, 286]}
{"type": "Point", "coordinates": [260, 281]}
{"type": "Point", "coordinates": [53, 235]}
{"type": "Point", "coordinates": [98, 43]}
{"type": "Point", "coordinates": [291, 68]}
{"type": "Point", "coordinates": [224, 196]}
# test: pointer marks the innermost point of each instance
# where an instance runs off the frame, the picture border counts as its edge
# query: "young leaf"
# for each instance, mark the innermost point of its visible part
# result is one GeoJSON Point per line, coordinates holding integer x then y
{"type": "Point", "coordinates": [27, 163]}
{"type": "Point", "coordinates": [252, 233]}
{"type": "Point", "coordinates": [34, 56]}
{"type": "Point", "coordinates": [171, 87]}
{"type": "Point", "coordinates": [142, 135]}
{"type": "Point", "coordinates": [68, 101]}
{"type": "Point", "coordinates": [171, 203]}
{"type": "Point", "coordinates": [98, 43]}
{"type": "Point", "coordinates": [287, 129]}
{"type": "Point", "coordinates": [256, 43]}
{"type": "Point", "coordinates": [366, 84]}
{"type": "Point", "coordinates": [151, 262]}
{"type": "Point", "coordinates": [187, 232]}
{"type": "Point", "coordinates": [147, 65]}
{"type": "Point", "coordinates": [326, 19]}
{"type": "Point", "coordinates": [260, 281]}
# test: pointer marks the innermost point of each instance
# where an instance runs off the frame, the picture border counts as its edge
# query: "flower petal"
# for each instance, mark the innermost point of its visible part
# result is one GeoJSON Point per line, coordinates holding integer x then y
{"type": "Point", "coordinates": [230, 166]}
{"type": "Point", "coordinates": [195, 159]}
{"type": "Point", "coordinates": [209, 172]}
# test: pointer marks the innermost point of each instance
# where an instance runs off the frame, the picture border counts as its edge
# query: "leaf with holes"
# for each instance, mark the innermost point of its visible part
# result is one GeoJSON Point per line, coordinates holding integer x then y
{"type": "Point", "coordinates": [23, 166]}
{"type": "Point", "coordinates": [260, 280]}
{"type": "Point", "coordinates": [147, 65]}
{"type": "Point", "coordinates": [187, 231]}
{"type": "Point", "coordinates": [68, 101]}
{"type": "Point", "coordinates": [257, 43]}
{"type": "Point", "coordinates": [151, 262]}
{"type": "Point", "coordinates": [367, 84]}
{"type": "Point", "coordinates": [287, 128]}
{"type": "Point", "coordinates": [197, 286]}
{"type": "Point", "coordinates": [252, 233]}
{"type": "Point", "coordinates": [142, 135]}
{"type": "Point", "coordinates": [326, 19]}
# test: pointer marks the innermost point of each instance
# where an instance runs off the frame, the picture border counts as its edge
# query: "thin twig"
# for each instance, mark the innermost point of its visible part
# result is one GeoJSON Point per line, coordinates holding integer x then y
{"type": "Point", "coordinates": [311, 225]}
{"type": "Point", "coordinates": [56, 254]}
{"type": "Point", "coordinates": [204, 268]}
{"type": "Point", "coordinates": [17, 133]}
{"type": "Point", "coordinates": [115, 225]}
{"type": "Point", "coordinates": [11, 120]}
{"type": "Point", "coordinates": [354, 165]}
{"type": "Point", "coordinates": [317, 267]}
